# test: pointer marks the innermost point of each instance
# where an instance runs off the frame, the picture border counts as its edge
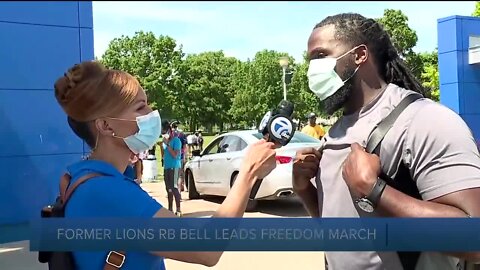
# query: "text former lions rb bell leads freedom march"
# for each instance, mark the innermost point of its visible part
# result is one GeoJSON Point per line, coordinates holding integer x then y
{"type": "Point", "coordinates": [217, 234]}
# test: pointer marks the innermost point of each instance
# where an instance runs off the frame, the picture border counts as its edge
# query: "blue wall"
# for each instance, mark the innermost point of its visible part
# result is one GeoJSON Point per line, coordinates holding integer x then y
{"type": "Point", "coordinates": [459, 81]}
{"type": "Point", "coordinates": [39, 41]}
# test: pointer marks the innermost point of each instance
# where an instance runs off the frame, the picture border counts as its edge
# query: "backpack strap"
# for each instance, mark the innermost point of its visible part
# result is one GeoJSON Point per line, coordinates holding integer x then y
{"type": "Point", "coordinates": [408, 259]}
{"type": "Point", "coordinates": [66, 190]}
{"type": "Point", "coordinates": [115, 259]}
{"type": "Point", "coordinates": [376, 137]}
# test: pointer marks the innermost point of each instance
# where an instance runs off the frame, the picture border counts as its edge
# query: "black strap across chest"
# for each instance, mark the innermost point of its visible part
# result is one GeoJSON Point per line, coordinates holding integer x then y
{"type": "Point", "coordinates": [403, 180]}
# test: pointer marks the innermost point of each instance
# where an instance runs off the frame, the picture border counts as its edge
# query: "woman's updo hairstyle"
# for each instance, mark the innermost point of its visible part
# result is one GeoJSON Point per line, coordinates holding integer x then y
{"type": "Point", "coordinates": [89, 91]}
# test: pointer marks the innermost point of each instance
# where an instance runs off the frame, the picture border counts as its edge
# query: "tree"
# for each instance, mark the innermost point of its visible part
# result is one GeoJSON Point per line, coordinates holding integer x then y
{"type": "Point", "coordinates": [258, 87]}
{"type": "Point", "coordinates": [476, 12]}
{"type": "Point", "coordinates": [423, 66]}
{"type": "Point", "coordinates": [430, 75]}
{"type": "Point", "coordinates": [208, 93]}
{"type": "Point", "coordinates": [155, 62]}
{"type": "Point", "coordinates": [403, 37]}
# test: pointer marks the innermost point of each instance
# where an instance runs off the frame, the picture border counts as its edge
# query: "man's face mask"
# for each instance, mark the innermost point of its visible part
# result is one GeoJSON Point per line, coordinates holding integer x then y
{"type": "Point", "coordinates": [149, 130]}
{"type": "Point", "coordinates": [323, 80]}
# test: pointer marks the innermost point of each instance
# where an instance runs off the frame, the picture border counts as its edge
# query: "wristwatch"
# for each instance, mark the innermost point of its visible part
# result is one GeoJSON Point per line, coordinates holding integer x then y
{"type": "Point", "coordinates": [369, 202]}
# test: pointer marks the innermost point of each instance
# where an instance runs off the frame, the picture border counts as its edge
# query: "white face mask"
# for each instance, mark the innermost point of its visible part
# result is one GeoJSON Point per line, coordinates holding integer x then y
{"type": "Point", "coordinates": [149, 129]}
{"type": "Point", "coordinates": [323, 80]}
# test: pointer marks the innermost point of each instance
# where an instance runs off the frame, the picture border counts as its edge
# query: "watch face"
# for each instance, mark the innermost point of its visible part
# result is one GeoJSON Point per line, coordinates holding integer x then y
{"type": "Point", "coordinates": [365, 205]}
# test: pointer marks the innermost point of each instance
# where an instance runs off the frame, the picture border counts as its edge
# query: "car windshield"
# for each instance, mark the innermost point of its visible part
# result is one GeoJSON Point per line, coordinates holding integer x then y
{"type": "Point", "coordinates": [298, 137]}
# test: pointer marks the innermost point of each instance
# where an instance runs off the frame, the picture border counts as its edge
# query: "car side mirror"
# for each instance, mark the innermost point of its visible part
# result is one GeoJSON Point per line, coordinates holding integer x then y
{"type": "Point", "coordinates": [196, 153]}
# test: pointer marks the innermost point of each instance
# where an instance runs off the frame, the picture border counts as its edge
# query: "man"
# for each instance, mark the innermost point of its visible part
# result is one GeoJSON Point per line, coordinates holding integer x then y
{"type": "Point", "coordinates": [200, 140]}
{"type": "Point", "coordinates": [139, 166]}
{"type": "Point", "coordinates": [192, 140]}
{"type": "Point", "coordinates": [313, 129]}
{"type": "Point", "coordinates": [172, 147]}
{"type": "Point", "coordinates": [354, 66]}
{"type": "Point", "coordinates": [179, 134]}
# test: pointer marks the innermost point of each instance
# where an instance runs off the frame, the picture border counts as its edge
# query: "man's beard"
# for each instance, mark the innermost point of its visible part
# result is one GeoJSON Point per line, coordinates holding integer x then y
{"type": "Point", "coordinates": [336, 101]}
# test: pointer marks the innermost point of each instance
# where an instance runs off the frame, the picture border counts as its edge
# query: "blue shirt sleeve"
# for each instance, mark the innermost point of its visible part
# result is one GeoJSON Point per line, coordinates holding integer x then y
{"type": "Point", "coordinates": [111, 197]}
{"type": "Point", "coordinates": [176, 144]}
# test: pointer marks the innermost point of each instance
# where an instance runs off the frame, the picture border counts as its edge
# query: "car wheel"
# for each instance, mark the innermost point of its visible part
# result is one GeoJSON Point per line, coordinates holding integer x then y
{"type": "Point", "coordinates": [192, 191]}
{"type": "Point", "coordinates": [252, 204]}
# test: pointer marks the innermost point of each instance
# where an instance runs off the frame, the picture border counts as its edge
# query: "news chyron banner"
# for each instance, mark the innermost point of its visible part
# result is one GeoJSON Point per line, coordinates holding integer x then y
{"type": "Point", "coordinates": [255, 234]}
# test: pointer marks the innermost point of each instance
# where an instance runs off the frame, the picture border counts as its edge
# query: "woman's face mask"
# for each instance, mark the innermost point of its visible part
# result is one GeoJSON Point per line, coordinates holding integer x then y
{"type": "Point", "coordinates": [149, 130]}
{"type": "Point", "coordinates": [323, 80]}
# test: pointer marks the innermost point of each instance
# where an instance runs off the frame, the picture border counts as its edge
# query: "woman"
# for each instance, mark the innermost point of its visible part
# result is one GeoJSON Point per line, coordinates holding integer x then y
{"type": "Point", "coordinates": [108, 109]}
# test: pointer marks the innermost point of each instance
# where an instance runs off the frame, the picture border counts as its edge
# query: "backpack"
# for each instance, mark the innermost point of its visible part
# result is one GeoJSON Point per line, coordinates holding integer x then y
{"type": "Point", "coordinates": [403, 180]}
{"type": "Point", "coordinates": [64, 260]}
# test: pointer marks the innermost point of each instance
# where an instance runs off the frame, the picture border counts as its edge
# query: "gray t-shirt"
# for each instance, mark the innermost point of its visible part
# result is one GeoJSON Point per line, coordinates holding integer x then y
{"type": "Point", "coordinates": [433, 142]}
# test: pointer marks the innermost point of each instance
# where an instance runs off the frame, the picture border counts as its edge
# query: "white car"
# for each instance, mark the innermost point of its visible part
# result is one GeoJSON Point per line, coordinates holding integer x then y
{"type": "Point", "coordinates": [213, 171]}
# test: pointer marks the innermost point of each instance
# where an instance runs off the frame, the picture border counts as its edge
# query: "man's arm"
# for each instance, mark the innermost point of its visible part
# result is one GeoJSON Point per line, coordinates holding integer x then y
{"type": "Point", "coordinates": [309, 197]}
{"type": "Point", "coordinates": [305, 167]}
{"type": "Point", "coordinates": [320, 131]}
{"type": "Point", "coordinates": [162, 153]}
{"type": "Point", "coordinates": [173, 147]}
{"type": "Point", "coordinates": [445, 164]}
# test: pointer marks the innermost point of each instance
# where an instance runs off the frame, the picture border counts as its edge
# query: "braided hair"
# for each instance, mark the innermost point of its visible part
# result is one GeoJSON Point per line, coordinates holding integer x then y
{"type": "Point", "coordinates": [355, 29]}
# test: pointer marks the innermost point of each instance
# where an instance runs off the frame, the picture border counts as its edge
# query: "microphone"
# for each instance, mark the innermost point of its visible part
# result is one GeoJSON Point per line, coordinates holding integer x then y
{"type": "Point", "coordinates": [277, 123]}
{"type": "Point", "coordinates": [285, 108]}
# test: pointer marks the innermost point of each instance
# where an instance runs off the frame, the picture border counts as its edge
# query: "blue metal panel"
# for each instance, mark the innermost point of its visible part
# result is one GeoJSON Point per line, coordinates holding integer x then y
{"type": "Point", "coordinates": [459, 82]}
{"type": "Point", "coordinates": [449, 38]}
{"type": "Point", "coordinates": [86, 39]}
{"type": "Point", "coordinates": [450, 66]}
{"type": "Point", "coordinates": [450, 96]}
{"type": "Point", "coordinates": [471, 73]}
{"type": "Point", "coordinates": [85, 14]}
{"type": "Point", "coordinates": [40, 12]}
{"type": "Point", "coordinates": [39, 143]}
{"type": "Point", "coordinates": [471, 98]}
{"type": "Point", "coordinates": [33, 57]}
{"type": "Point", "coordinates": [32, 185]}
{"type": "Point", "coordinates": [470, 26]}
{"type": "Point", "coordinates": [35, 125]}
{"type": "Point", "coordinates": [473, 122]}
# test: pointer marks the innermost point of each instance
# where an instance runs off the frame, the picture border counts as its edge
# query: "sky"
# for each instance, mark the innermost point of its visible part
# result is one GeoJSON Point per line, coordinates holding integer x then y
{"type": "Point", "coordinates": [241, 29]}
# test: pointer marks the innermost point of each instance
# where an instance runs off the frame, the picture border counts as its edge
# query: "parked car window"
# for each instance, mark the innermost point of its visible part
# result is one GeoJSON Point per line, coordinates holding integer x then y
{"type": "Point", "coordinates": [242, 144]}
{"type": "Point", "coordinates": [230, 143]}
{"type": "Point", "coordinates": [213, 148]}
{"type": "Point", "coordinates": [298, 137]}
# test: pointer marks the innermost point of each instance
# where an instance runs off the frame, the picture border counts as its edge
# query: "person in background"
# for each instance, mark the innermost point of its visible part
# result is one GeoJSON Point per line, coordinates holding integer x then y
{"type": "Point", "coordinates": [313, 129]}
{"type": "Point", "coordinates": [130, 171]}
{"type": "Point", "coordinates": [179, 134]}
{"type": "Point", "coordinates": [190, 143]}
{"type": "Point", "coordinates": [200, 140]}
{"type": "Point", "coordinates": [195, 141]}
{"type": "Point", "coordinates": [172, 147]}
{"type": "Point", "coordinates": [139, 166]}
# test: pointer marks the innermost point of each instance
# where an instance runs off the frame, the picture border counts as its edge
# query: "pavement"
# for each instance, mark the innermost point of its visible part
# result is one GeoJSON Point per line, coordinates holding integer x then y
{"type": "Point", "coordinates": [16, 256]}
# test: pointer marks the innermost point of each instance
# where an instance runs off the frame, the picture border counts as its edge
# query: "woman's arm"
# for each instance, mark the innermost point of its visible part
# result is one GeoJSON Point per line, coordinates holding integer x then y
{"type": "Point", "coordinates": [258, 163]}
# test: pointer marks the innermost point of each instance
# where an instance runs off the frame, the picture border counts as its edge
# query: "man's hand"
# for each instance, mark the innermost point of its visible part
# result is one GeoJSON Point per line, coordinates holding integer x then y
{"type": "Point", "coordinates": [360, 170]}
{"type": "Point", "coordinates": [305, 167]}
